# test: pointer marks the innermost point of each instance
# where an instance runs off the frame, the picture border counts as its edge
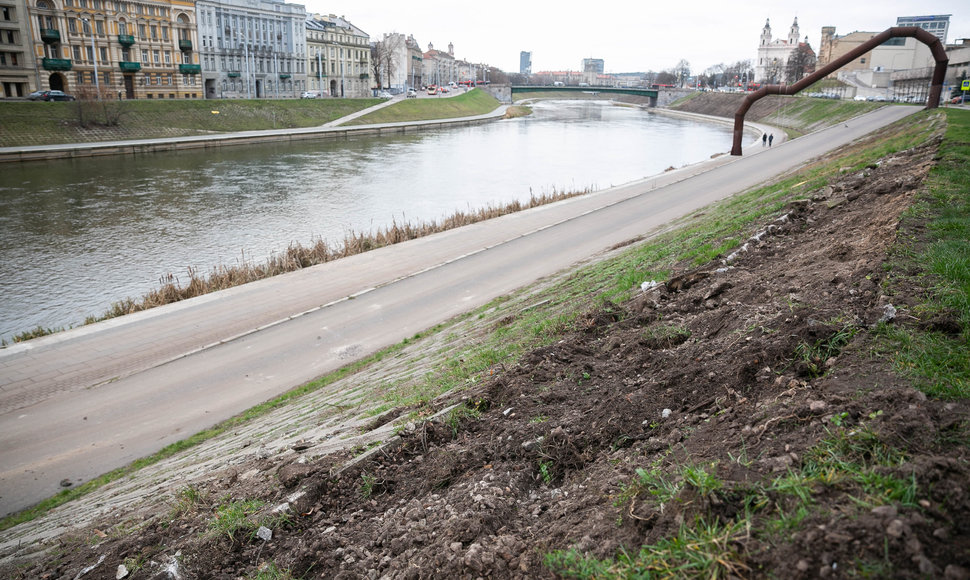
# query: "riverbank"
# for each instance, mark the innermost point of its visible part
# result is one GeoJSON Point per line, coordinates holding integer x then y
{"type": "Point", "coordinates": [439, 115]}
{"type": "Point", "coordinates": [734, 412]}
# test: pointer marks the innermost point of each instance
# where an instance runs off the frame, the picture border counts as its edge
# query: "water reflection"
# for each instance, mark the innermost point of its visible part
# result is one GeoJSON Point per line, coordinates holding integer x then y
{"type": "Point", "coordinates": [77, 235]}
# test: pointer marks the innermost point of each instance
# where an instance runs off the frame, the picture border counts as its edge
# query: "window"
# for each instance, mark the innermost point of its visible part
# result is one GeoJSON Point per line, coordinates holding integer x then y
{"type": "Point", "coordinates": [99, 26]}
{"type": "Point", "coordinates": [142, 32]}
{"type": "Point", "coordinates": [144, 56]}
{"type": "Point", "coordinates": [104, 53]}
{"type": "Point", "coordinates": [157, 56]}
{"type": "Point", "coordinates": [154, 32]}
{"type": "Point", "coordinates": [77, 53]}
{"type": "Point", "coordinates": [6, 13]}
{"type": "Point", "coordinates": [71, 25]}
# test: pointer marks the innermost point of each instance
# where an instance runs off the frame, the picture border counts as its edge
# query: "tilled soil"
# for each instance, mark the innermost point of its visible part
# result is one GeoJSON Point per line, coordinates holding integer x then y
{"type": "Point", "coordinates": [742, 367]}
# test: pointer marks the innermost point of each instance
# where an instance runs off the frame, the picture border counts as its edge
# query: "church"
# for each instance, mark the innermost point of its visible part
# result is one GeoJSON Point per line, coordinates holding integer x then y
{"type": "Point", "coordinates": [776, 55]}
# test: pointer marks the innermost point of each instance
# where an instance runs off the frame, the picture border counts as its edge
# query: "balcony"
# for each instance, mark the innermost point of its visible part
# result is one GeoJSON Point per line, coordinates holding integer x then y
{"type": "Point", "coordinates": [50, 35]}
{"type": "Point", "coordinates": [364, 76]}
{"type": "Point", "coordinates": [56, 64]}
{"type": "Point", "coordinates": [185, 45]}
{"type": "Point", "coordinates": [233, 75]}
{"type": "Point", "coordinates": [126, 39]}
{"type": "Point", "coordinates": [190, 69]}
{"type": "Point", "coordinates": [127, 66]}
{"type": "Point", "coordinates": [284, 76]}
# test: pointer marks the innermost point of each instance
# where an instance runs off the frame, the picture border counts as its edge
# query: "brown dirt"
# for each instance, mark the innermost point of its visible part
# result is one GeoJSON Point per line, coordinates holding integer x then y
{"type": "Point", "coordinates": [545, 453]}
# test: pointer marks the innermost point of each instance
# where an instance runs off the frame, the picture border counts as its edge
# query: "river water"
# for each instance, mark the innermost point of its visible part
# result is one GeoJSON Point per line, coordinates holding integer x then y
{"type": "Point", "coordinates": [78, 235]}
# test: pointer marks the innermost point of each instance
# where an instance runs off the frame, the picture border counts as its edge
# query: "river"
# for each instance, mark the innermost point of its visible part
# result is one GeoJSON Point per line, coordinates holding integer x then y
{"type": "Point", "coordinates": [78, 235]}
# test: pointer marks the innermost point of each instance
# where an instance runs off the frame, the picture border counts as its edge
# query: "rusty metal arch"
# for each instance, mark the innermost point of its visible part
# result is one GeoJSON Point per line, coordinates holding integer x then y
{"type": "Point", "coordinates": [936, 86]}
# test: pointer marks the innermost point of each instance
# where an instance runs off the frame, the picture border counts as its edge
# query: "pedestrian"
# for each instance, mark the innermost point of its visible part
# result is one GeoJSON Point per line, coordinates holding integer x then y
{"type": "Point", "coordinates": [770, 139]}
{"type": "Point", "coordinates": [764, 139]}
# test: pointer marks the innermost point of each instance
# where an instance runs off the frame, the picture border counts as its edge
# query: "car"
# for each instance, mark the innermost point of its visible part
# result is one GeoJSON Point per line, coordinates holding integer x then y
{"type": "Point", "coordinates": [385, 95]}
{"type": "Point", "coordinates": [412, 94]}
{"type": "Point", "coordinates": [50, 96]}
{"type": "Point", "coordinates": [956, 100]}
{"type": "Point", "coordinates": [432, 90]}
{"type": "Point", "coordinates": [310, 95]}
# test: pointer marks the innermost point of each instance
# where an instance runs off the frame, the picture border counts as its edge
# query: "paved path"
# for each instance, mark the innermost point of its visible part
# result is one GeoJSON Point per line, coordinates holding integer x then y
{"type": "Point", "coordinates": [79, 403]}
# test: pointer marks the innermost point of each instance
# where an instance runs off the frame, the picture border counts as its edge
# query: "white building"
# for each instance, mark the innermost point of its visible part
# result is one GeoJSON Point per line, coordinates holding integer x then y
{"type": "Point", "coordinates": [774, 54]}
{"type": "Point", "coordinates": [252, 48]}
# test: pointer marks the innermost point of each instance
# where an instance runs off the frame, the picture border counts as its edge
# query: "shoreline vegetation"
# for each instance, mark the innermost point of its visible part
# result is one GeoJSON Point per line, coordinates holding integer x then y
{"type": "Point", "coordinates": [297, 257]}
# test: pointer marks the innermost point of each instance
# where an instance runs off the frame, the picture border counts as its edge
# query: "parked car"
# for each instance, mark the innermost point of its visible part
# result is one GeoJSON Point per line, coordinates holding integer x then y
{"type": "Point", "coordinates": [385, 95]}
{"type": "Point", "coordinates": [50, 96]}
{"type": "Point", "coordinates": [310, 95]}
{"type": "Point", "coordinates": [412, 93]}
{"type": "Point", "coordinates": [432, 90]}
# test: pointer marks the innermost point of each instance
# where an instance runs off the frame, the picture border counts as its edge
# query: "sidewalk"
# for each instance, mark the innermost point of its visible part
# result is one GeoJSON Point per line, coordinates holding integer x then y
{"type": "Point", "coordinates": [332, 129]}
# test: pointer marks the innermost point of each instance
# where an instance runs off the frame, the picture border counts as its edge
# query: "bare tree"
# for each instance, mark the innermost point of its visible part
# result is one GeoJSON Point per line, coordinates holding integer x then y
{"type": "Point", "coordinates": [774, 71]}
{"type": "Point", "coordinates": [800, 63]}
{"type": "Point", "coordinates": [682, 71]}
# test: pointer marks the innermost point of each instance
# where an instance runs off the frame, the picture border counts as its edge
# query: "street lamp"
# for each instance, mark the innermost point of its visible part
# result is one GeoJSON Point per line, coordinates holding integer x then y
{"type": "Point", "coordinates": [94, 55]}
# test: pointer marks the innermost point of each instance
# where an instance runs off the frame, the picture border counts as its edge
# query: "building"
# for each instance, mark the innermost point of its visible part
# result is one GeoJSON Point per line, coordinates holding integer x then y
{"type": "Point", "coordinates": [783, 60]}
{"type": "Point", "coordinates": [833, 47]}
{"type": "Point", "coordinates": [338, 57]}
{"type": "Point", "coordinates": [127, 49]}
{"type": "Point", "coordinates": [252, 48]}
{"type": "Point", "coordinates": [525, 63]}
{"type": "Point", "coordinates": [440, 68]}
{"type": "Point", "coordinates": [593, 65]}
{"type": "Point", "coordinates": [18, 68]}
{"type": "Point", "coordinates": [400, 62]}
{"type": "Point", "coordinates": [938, 25]}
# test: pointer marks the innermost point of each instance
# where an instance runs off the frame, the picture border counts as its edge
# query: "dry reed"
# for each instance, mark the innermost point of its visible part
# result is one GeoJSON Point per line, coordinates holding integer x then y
{"type": "Point", "coordinates": [298, 256]}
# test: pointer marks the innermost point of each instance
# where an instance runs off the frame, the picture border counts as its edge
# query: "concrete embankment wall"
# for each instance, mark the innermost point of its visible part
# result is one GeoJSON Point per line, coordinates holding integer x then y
{"type": "Point", "coordinates": [147, 146]}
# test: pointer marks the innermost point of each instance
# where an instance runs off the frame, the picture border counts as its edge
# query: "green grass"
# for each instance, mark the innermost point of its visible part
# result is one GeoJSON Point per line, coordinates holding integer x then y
{"type": "Point", "coordinates": [39, 123]}
{"type": "Point", "coordinates": [474, 102]}
{"type": "Point", "coordinates": [936, 360]}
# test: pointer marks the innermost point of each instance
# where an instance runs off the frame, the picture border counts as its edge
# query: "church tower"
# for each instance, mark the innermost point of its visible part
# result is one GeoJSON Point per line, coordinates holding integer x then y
{"type": "Point", "coordinates": [793, 34]}
{"type": "Point", "coordinates": [766, 34]}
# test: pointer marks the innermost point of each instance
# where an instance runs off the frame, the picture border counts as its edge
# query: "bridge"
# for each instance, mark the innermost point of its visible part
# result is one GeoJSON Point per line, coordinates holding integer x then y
{"type": "Point", "coordinates": [651, 93]}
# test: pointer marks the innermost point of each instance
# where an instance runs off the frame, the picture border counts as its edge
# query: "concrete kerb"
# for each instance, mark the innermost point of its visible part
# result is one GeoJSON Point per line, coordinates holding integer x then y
{"type": "Point", "coordinates": [331, 130]}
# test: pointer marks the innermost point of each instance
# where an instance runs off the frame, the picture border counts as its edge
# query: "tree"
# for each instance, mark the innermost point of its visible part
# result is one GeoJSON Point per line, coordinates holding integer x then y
{"type": "Point", "coordinates": [665, 78]}
{"type": "Point", "coordinates": [800, 63]}
{"type": "Point", "coordinates": [774, 70]}
{"type": "Point", "coordinates": [682, 71]}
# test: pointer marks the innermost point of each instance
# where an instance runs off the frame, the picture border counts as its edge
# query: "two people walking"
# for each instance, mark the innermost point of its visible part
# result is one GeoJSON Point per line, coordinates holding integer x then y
{"type": "Point", "coordinates": [766, 138]}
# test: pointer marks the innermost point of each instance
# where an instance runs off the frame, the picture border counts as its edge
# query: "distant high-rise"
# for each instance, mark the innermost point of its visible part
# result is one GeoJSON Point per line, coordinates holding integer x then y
{"type": "Point", "coordinates": [937, 25]}
{"type": "Point", "coordinates": [525, 62]}
{"type": "Point", "coordinates": [593, 65]}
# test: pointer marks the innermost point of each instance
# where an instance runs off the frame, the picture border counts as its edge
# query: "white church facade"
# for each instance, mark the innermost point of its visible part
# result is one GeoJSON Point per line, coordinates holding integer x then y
{"type": "Point", "coordinates": [774, 54]}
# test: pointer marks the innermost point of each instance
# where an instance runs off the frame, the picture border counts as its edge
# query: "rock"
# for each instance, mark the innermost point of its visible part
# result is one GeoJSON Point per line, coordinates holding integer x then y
{"type": "Point", "coordinates": [895, 528]}
{"type": "Point", "coordinates": [665, 413]}
{"type": "Point", "coordinates": [889, 313]}
{"type": "Point", "coordinates": [955, 572]}
{"type": "Point", "coordinates": [885, 511]}
{"type": "Point", "coordinates": [264, 533]}
{"type": "Point", "coordinates": [802, 566]}
{"type": "Point", "coordinates": [122, 572]}
{"type": "Point", "coordinates": [65, 483]}
{"type": "Point", "coordinates": [816, 406]}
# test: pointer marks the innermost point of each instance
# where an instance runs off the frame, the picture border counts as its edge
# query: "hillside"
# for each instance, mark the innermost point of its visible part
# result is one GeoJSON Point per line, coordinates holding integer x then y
{"type": "Point", "coordinates": [756, 413]}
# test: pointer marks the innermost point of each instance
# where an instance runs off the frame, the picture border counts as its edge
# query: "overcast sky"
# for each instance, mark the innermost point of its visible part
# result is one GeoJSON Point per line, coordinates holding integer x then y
{"type": "Point", "coordinates": [629, 37]}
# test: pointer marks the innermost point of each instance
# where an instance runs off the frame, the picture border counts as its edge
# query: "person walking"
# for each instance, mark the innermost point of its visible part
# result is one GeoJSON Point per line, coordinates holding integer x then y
{"type": "Point", "coordinates": [770, 139]}
{"type": "Point", "coordinates": [764, 139]}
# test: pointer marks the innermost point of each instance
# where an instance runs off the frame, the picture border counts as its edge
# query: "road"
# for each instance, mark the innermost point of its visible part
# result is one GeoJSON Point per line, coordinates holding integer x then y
{"type": "Point", "coordinates": [82, 402]}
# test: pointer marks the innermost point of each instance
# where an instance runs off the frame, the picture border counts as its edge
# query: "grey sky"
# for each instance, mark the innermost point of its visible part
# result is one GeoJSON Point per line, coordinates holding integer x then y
{"type": "Point", "coordinates": [638, 37]}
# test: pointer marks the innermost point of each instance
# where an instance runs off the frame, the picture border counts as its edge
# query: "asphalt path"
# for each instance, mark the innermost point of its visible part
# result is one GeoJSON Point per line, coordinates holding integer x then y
{"type": "Point", "coordinates": [83, 402]}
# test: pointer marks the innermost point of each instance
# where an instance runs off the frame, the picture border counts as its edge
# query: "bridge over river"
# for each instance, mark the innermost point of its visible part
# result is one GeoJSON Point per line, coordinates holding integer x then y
{"type": "Point", "coordinates": [651, 93]}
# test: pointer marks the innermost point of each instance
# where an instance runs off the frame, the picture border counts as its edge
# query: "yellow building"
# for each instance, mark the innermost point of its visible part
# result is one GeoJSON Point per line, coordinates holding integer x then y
{"type": "Point", "coordinates": [338, 57]}
{"type": "Point", "coordinates": [140, 49]}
